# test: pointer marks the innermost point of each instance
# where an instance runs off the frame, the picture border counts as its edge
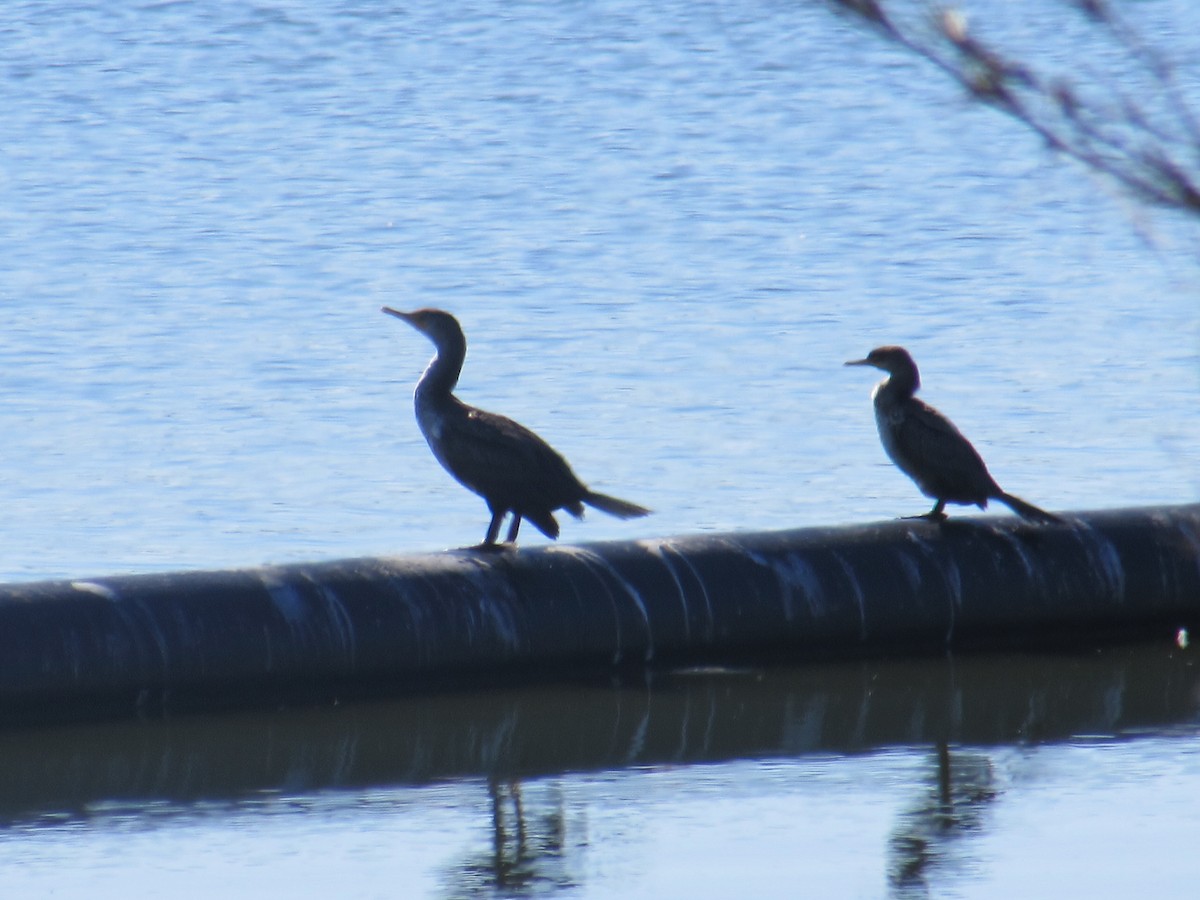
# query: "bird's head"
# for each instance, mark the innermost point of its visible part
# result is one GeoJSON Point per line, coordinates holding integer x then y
{"type": "Point", "coordinates": [436, 324]}
{"type": "Point", "coordinates": [893, 360]}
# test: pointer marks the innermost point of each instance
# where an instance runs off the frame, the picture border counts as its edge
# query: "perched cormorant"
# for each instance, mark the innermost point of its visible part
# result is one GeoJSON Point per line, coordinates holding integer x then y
{"type": "Point", "coordinates": [926, 445]}
{"type": "Point", "coordinates": [506, 464]}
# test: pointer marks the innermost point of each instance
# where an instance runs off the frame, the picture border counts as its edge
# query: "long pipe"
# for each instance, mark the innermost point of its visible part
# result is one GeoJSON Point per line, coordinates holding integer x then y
{"type": "Point", "coordinates": [120, 645]}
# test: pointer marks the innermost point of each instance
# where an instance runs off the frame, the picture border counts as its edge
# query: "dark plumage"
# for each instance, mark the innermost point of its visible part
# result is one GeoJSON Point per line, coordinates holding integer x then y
{"type": "Point", "coordinates": [505, 463]}
{"type": "Point", "coordinates": [926, 445]}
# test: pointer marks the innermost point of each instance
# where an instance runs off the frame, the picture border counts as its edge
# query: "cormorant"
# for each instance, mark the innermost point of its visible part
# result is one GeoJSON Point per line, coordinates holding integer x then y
{"type": "Point", "coordinates": [926, 445]}
{"type": "Point", "coordinates": [505, 463]}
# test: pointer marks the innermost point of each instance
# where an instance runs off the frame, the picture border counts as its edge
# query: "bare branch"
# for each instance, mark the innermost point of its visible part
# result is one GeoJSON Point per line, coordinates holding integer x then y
{"type": "Point", "coordinates": [1150, 144]}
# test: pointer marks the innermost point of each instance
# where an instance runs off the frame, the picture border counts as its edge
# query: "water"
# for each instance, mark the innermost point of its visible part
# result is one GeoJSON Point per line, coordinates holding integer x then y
{"type": "Point", "coordinates": [664, 227]}
{"type": "Point", "coordinates": [984, 776]}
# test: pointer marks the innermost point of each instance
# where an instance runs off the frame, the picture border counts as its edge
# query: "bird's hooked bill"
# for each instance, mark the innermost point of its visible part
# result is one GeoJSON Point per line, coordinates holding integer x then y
{"type": "Point", "coordinates": [395, 312]}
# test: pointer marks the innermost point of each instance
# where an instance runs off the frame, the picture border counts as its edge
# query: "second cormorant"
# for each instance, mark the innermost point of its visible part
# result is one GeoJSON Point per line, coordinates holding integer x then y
{"type": "Point", "coordinates": [926, 445]}
{"type": "Point", "coordinates": [505, 463]}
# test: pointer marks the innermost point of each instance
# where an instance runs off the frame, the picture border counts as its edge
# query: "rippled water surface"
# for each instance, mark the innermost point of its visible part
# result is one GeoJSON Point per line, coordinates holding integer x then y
{"type": "Point", "coordinates": [664, 227]}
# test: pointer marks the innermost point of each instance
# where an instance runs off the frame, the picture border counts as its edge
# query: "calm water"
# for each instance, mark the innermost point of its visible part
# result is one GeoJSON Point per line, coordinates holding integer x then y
{"type": "Point", "coordinates": [664, 227]}
{"type": "Point", "coordinates": [989, 776]}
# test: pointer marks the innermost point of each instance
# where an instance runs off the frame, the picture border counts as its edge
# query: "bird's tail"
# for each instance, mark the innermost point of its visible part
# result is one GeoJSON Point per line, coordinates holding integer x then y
{"type": "Point", "coordinates": [622, 509]}
{"type": "Point", "coordinates": [1027, 510]}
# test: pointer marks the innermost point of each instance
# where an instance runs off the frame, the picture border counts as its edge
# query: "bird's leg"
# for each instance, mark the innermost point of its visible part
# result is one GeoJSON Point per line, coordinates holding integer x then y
{"type": "Point", "coordinates": [937, 514]}
{"type": "Point", "coordinates": [493, 527]}
{"type": "Point", "coordinates": [489, 544]}
{"type": "Point", "coordinates": [513, 528]}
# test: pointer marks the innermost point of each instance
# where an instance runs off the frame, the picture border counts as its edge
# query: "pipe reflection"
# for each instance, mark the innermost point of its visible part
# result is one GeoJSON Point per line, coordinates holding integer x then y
{"type": "Point", "coordinates": [681, 718]}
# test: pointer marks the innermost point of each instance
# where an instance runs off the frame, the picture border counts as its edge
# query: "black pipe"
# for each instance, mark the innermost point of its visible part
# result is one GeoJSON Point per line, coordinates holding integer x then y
{"type": "Point", "coordinates": [144, 642]}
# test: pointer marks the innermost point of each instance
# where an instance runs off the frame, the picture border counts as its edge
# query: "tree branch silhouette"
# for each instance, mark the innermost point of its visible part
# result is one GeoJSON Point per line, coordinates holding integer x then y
{"type": "Point", "coordinates": [1149, 143]}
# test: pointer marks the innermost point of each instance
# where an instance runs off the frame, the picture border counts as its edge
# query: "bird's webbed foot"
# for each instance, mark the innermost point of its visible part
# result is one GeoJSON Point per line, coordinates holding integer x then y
{"type": "Point", "coordinates": [937, 514]}
{"type": "Point", "coordinates": [928, 517]}
{"type": "Point", "coordinates": [491, 547]}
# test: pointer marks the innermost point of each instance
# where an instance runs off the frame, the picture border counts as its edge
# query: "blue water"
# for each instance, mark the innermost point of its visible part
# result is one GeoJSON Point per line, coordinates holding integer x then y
{"type": "Point", "coordinates": [1062, 776]}
{"type": "Point", "coordinates": [664, 227]}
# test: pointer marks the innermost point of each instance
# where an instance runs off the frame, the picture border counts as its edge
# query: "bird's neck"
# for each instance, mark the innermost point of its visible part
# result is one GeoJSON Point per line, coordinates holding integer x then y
{"type": "Point", "coordinates": [441, 375]}
{"type": "Point", "coordinates": [897, 387]}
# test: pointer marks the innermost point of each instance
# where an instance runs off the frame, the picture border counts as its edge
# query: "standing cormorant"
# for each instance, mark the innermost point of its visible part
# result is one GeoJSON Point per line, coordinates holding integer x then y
{"type": "Point", "coordinates": [506, 464]}
{"type": "Point", "coordinates": [926, 445]}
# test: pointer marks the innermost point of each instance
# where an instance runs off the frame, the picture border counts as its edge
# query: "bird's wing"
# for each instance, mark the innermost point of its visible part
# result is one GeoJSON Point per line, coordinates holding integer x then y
{"type": "Point", "coordinates": [938, 457]}
{"type": "Point", "coordinates": [505, 461]}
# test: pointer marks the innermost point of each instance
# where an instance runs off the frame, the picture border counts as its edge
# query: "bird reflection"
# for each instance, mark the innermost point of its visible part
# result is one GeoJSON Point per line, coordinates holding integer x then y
{"type": "Point", "coordinates": [531, 852]}
{"type": "Point", "coordinates": [951, 807]}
